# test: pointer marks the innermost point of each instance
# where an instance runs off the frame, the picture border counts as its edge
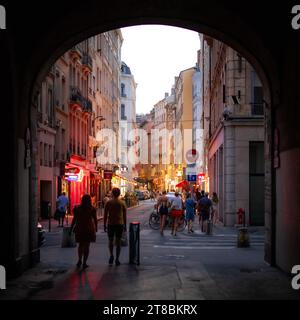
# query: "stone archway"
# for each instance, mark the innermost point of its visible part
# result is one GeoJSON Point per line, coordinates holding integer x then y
{"type": "Point", "coordinates": [229, 23]}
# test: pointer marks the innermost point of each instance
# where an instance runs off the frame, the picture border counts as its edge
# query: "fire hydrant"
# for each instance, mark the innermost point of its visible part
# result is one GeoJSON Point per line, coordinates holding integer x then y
{"type": "Point", "coordinates": [241, 216]}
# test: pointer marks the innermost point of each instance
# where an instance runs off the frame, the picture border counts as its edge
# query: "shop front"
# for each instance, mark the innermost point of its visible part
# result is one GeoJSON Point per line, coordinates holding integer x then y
{"type": "Point", "coordinates": [76, 180]}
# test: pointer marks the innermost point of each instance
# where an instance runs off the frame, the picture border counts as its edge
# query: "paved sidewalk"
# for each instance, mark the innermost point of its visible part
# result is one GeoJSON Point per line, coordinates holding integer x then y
{"type": "Point", "coordinates": [171, 269]}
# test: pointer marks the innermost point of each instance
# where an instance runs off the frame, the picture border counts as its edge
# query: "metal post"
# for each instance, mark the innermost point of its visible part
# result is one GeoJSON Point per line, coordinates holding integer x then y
{"type": "Point", "coordinates": [49, 215]}
{"type": "Point", "coordinates": [134, 243]}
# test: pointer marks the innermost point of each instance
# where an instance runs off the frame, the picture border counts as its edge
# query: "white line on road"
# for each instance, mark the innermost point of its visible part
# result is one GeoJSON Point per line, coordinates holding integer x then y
{"type": "Point", "coordinates": [183, 247]}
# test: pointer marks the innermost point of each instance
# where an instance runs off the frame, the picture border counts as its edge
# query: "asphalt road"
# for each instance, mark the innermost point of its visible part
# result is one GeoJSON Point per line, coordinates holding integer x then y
{"type": "Point", "coordinates": [189, 266]}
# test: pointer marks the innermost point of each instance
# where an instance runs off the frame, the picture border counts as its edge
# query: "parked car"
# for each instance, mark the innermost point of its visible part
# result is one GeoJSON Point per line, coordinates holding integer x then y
{"type": "Point", "coordinates": [41, 234]}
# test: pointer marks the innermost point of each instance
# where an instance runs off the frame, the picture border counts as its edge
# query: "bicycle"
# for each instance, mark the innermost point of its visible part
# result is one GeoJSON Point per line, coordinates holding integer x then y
{"type": "Point", "coordinates": [154, 221]}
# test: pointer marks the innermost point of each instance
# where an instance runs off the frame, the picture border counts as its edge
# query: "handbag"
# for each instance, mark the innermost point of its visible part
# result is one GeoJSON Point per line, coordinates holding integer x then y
{"type": "Point", "coordinates": [124, 240]}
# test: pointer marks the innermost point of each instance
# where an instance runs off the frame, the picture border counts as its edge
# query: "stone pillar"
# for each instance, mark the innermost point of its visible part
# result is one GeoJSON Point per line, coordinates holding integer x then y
{"type": "Point", "coordinates": [33, 187]}
{"type": "Point", "coordinates": [229, 175]}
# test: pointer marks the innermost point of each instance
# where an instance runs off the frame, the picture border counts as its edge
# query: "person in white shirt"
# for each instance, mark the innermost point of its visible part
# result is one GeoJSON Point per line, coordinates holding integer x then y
{"type": "Point", "coordinates": [176, 212]}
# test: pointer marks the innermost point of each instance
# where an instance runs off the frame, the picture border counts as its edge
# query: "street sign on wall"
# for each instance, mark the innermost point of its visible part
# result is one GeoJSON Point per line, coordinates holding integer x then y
{"type": "Point", "coordinates": [191, 177]}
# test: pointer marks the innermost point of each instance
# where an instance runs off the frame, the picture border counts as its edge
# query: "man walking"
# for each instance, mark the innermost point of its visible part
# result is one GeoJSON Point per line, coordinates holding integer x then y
{"type": "Point", "coordinates": [115, 224]}
{"type": "Point", "coordinates": [62, 203]}
{"type": "Point", "coordinates": [204, 207]}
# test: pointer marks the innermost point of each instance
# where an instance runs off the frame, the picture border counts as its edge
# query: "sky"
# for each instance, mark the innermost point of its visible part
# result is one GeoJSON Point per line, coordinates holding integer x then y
{"type": "Point", "coordinates": [156, 54]}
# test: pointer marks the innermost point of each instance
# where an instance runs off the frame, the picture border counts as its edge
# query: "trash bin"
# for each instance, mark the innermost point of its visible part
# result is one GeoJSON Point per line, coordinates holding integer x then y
{"type": "Point", "coordinates": [134, 243]}
{"type": "Point", "coordinates": [68, 241]}
{"type": "Point", "coordinates": [243, 238]}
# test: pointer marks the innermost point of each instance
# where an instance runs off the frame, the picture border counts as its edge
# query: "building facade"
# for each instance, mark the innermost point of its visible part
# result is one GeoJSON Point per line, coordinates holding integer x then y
{"type": "Point", "coordinates": [233, 132]}
{"type": "Point", "coordinates": [79, 97]}
{"type": "Point", "coordinates": [184, 123]}
{"type": "Point", "coordinates": [127, 127]}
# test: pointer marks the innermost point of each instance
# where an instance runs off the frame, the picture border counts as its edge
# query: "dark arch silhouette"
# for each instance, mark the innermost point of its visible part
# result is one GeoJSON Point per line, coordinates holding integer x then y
{"type": "Point", "coordinates": [38, 33]}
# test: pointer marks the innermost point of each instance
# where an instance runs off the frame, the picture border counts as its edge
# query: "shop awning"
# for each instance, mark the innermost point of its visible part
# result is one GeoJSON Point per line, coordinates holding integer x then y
{"type": "Point", "coordinates": [181, 184]}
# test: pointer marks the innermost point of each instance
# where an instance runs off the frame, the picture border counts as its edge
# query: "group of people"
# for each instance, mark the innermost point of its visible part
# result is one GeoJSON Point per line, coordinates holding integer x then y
{"type": "Point", "coordinates": [85, 226]}
{"type": "Point", "coordinates": [192, 203]}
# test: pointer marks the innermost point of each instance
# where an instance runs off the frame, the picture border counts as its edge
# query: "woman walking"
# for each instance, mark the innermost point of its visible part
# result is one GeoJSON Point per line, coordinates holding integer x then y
{"type": "Point", "coordinates": [84, 225]}
{"type": "Point", "coordinates": [162, 206]}
{"type": "Point", "coordinates": [176, 212]}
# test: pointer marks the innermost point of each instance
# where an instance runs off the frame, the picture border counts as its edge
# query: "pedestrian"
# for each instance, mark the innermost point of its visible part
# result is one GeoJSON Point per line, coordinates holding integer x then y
{"type": "Point", "coordinates": [115, 224]}
{"type": "Point", "coordinates": [84, 225]}
{"type": "Point", "coordinates": [204, 207]}
{"type": "Point", "coordinates": [190, 205]}
{"type": "Point", "coordinates": [152, 195]}
{"type": "Point", "coordinates": [105, 199]}
{"type": "Point", "coordinates": [214, 213]}
{"type": "Point", "coordinates": [163, 210]}
{"type": "Point", "coordinates": [176, 212]}
{"type": "Point", "coordinates": [62, 203]}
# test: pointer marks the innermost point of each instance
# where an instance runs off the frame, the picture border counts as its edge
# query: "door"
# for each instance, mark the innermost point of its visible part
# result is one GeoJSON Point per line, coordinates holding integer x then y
{"type": "Point", "coordinates": [257, 184]}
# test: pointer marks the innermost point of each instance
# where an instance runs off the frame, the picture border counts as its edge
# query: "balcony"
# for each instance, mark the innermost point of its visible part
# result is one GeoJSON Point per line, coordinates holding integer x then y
{"type": "Point", "coordinates": [87, 105]}
{"type": "Point", "coordinates": [257, 109]}
{"type": "Point", "coordinates": [77, 100]}
{"type": "Point", "coordinates": [75, 96]}
{"type": "Point", "coordinates": [75, 53]}
{"type": "Point", "coordinates": [87, 63]}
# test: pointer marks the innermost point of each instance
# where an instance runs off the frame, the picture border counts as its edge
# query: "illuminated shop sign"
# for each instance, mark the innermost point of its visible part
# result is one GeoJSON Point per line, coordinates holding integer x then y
{"type": "Point", "coordinates": [74, 174]}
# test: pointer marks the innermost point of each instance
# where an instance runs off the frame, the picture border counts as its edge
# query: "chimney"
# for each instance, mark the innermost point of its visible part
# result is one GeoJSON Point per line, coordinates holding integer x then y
{"type": "Point", "coordinates": [166, 94]}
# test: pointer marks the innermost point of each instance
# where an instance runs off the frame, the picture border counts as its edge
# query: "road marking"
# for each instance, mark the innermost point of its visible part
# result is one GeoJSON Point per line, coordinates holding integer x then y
{"type": "Point", "coordinates": [193, 248]}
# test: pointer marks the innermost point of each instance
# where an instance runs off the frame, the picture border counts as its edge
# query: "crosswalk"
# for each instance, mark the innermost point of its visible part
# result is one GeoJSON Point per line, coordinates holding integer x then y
{"type": "Point", "coordinates": [198, 241]}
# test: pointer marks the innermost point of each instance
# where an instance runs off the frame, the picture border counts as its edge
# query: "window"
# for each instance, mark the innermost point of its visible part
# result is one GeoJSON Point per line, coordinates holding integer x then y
{"type": "Point", "coordinates": [240, 63]}
{"type": "Point", "coordinates": [63, 141]}
{"type": "Point", "coordinates": [41, 153]}
{"type": "Point", "coordinates": [123, 90]}
{"type": "Point", "coordinates": [45, 155]}
{"type": "Point", "coordinates": [63, 92]}
{"type": "Point", "coordinates": [50, 103]}
{"type": "Point", "coordinates": [94, 84]}
{"type": "Point", "coordinates": [257, 106]}
{"type": "Point", "coordinates": [50, 156]}
{"type": "Point", "coordinates": [57, 90]}
{"type": "Point", "coordinates": [123, 113]}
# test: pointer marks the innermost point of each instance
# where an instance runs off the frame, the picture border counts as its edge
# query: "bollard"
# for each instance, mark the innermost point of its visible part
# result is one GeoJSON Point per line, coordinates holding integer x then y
{"type": "Point", "coordinates": [134, 243]}
{"type": "Point", "coordinates": [209, 227]}
{"type": "Point", "coordinates": [49, 215]}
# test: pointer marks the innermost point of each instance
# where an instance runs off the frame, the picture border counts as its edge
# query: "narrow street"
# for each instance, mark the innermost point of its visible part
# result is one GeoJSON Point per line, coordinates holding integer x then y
{"type": "Point", "coordinates": [190, 266]}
